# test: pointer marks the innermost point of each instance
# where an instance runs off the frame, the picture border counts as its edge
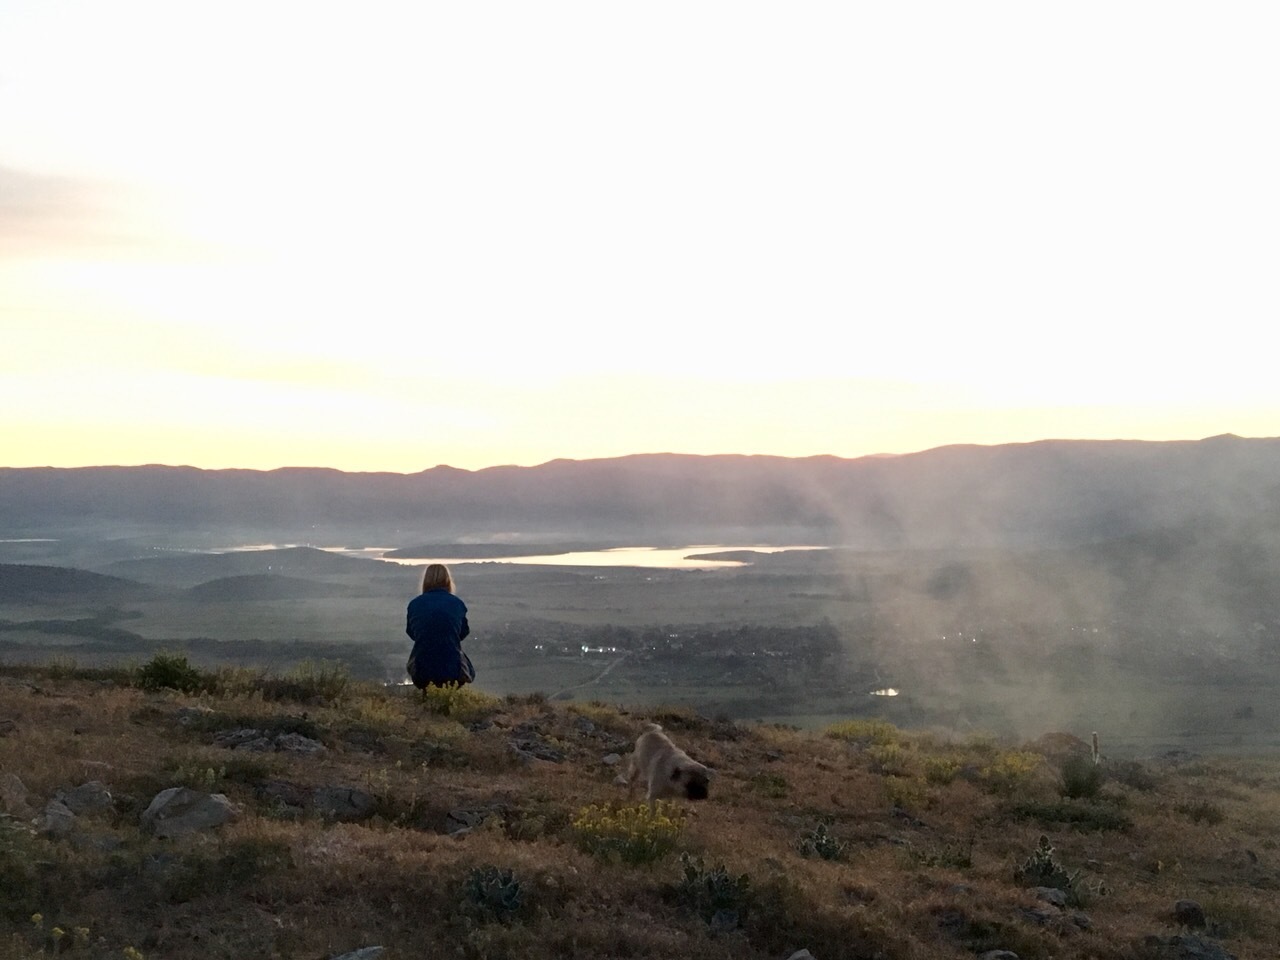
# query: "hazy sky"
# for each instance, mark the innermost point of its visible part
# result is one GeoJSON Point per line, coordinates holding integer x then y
{"type": "Point", "coordinates": [383, 236]}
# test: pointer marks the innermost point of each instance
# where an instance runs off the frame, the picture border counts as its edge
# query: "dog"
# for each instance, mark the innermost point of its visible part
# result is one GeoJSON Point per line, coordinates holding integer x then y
{"type": "Point", "coordinates": [665, 770]}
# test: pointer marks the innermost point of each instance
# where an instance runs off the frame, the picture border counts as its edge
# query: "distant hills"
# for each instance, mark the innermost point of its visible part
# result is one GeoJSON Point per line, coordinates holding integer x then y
{"type": "Point", "coordinates": [1052, 492]}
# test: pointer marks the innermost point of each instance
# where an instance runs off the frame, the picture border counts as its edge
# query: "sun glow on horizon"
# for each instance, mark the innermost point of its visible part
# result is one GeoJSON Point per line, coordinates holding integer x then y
{"type": "Point", "coordinates": [435, 234]}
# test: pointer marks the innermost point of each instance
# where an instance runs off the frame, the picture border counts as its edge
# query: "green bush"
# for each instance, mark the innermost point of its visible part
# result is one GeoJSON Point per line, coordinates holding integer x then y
{"type": "Point", "coordinates": [171, 672]}
{"type": "Point", "coordinates": [1081, 778]}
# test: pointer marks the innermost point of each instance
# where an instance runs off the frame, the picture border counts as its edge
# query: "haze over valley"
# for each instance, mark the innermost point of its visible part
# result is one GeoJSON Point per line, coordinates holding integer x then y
{"type": "Point", "coordinates": [1122, 586]}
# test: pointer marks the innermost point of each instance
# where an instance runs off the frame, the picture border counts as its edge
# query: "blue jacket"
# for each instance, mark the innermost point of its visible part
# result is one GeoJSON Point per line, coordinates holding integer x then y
{"type": "Point", "coordinates": [436, 623]}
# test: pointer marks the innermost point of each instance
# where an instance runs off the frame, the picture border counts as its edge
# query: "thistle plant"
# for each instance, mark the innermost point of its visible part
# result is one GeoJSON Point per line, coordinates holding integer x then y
{"type": "Point", "coordinates": [632, 834]}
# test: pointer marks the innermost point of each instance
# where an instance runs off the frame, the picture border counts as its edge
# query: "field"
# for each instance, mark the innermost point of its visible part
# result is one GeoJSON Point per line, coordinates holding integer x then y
{"type": "Point", "coordinates": [356, 817]}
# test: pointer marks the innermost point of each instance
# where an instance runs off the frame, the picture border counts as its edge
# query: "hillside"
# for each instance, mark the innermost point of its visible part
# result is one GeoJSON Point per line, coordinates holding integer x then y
{"type": "Point", "coordinates": [365, 821]}
{"type": "Point", "coordinates": [29, 583]}
{"type": "Point", "coordinates": [1047, 493]}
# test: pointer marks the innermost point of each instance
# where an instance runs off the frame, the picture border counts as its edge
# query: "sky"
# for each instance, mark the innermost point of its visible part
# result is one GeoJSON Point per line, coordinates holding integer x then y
{"type": "Point", "coordinates": [386, 236]}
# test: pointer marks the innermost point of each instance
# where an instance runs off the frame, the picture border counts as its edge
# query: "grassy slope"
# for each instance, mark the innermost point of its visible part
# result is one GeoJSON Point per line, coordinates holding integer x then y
{"type": "Point", "coordinates": [932, 832]}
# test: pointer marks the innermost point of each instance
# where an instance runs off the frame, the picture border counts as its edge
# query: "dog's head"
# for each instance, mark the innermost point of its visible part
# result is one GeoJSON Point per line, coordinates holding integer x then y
{"type": "Point", "coordinates": [692, 779]}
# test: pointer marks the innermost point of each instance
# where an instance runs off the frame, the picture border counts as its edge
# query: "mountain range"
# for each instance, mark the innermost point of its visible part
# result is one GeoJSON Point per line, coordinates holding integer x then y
{"type": "Point", "coordinates": [1046, 493]}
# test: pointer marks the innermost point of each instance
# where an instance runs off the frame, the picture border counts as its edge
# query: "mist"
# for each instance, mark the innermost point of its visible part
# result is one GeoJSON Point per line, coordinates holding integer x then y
{"type": "Point", "coordinates": [1123, 587]}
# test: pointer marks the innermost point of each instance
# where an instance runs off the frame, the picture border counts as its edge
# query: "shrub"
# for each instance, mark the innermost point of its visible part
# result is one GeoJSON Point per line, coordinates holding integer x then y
{"type": "Point", "coordinates": [497, 892]}
{"type": "Point", "coordinates": [171, 671]}
{"type": "Point", "coordinates": [309, 680]}
{"type": "Point", "coordinates": [713, 892]}
{"type": "Point", "coordinates": [771, 785]}
{"type": "Point", "coordinates": [1008, 771]}
{"type": "Point", "coordinates": [1042, 869]}
{"type": "Point", "coordinates": [1202, 811]}
{"type": "Point", "coordinates": [864, 731]}
{"type": "Point", "coordinates": [458, 701]}
{"type": "Point", "coordinates": [941, 770]}
{"type": "Point", "coordinates": [955, 855]}
{"type": "Point", "coordinates": [1081, 778]}
{"type": "Point", "coordinates": [1131, 773]}
{"type": "Point", "coordinates": [226, 869]}
{"type": "Point", "coordinates": [819, 843]}
{"type": "Point", "coordinates": [906, 793]}
{"type": "Point", "coordinates": [1082, 816]}
{"type": "Point", "coordinates": [889, 759]}
{"type": "Point", "coordinates": [631, 834]}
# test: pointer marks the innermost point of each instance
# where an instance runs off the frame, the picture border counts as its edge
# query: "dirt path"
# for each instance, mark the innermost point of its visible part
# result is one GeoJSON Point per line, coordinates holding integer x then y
{"type": "Point", "coordinates": [596, 679]}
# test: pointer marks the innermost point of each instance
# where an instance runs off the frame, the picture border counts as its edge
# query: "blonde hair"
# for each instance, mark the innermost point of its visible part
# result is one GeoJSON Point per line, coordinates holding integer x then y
{"type": "Point", "coordinates": [437, 575]}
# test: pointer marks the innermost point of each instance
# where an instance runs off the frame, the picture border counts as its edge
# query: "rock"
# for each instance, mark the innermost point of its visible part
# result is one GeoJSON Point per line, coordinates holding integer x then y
{"type": "Point", "coordinates": [1185, 948]}
{"type": "Point", "coordinates": [1189, 913]}
{"type": "Point", "coordinates": [537, 749]}
{"type": "Point", "coordinates": [91, 797]}
{"type": "Point", "coordinates": [57, 820]}
{"type": "Point", "coordinates": [14, 798]}
{"type": "Point", "coordinates": [189, 715]}
{"type": "Point", "coordinates": [237, 738]}
{"type": "Point", "coordinates": [1052, 895]}
{"type": "Point", "coordinates": [802, 955]}
{"type": "Point", "coordinates": [1082, 920]}
{"type": "Point", "coordinates": [297, 743]}
{"type": "Point", "coordinates": [998, 955]}
{"type": "Point", "coordinates": [461, 822]}
{"type": "Point", "coordinates": [612, 759]}
{"type": "Point", "coordinates": [256, 741]}
{"type": "Point", "coordinates": [181, 810]}
{"type": "Point", "coordinates": [343, 803]}
{"type": "Point", "coordinates": [7, 727]}
{"type": "Point", "coordinates": [584, 725]}
{"type": "Point", "coordinates": [364, 953]}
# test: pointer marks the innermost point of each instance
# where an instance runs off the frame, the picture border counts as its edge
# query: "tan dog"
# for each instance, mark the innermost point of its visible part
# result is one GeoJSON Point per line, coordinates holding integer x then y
{"type": "Point", "coordinates": [665, 769]}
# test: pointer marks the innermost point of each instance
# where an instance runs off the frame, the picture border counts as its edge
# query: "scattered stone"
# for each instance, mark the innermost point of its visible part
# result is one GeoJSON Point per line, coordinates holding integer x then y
{"type": "Point", "coordinates": [1042, 918]}
{"type": "Point", "coordinates": [460, 822]}
{"type": "Point", "coordinates": [91, 797]}
{"type": "Point", "coordinates": [14, 798]}
{"type": "Point", "coordinates": [1081, 920]}
{"type": "Point", "coordinates": [7, 727]}
{"type": "Point", "coordinates": [181, 810]}
{"type": "Point", "coordinates": [1189, 913]}
{"type": "Point", "coordinates": [189, 715]}
{"type": "Point", "coordinates": [57, 820]}
{"type": "Point", "coordinates": [231, 739]}
{"type": "Point", "coordinates": [1182, 947]}
{"type": "Point", "coordinates": [536, 749]}
{"type": "Point", "coordinates": [285, 793]}
{"type": "Point", "coordinates": [256, 741]}
{"type": "Point", "coordinates": [1052, 895]}
{"type": "Point", "coordinates": [998, 955]}
{"type": "Point", "coordinates": [584, 725]}
{"type": "Point", "coordinates": [297, 743]}
{"type": "Point", "coordinates": [364, 953]}
{"type": "Point", "coordinates": [343, 803]}
{"type": "Point", "coordinates": [802, 955]}
{"type": "Point", "coordinates": [612, 759]}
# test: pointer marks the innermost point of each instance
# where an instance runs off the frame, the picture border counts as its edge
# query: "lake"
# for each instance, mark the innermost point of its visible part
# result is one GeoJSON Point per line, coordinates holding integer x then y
{"type": "Point", "coordinates": [666, 558]}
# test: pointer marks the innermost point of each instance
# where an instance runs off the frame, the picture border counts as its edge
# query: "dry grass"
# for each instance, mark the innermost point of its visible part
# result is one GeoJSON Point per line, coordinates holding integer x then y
{"type": "Point", "coordinates": [862, 841]}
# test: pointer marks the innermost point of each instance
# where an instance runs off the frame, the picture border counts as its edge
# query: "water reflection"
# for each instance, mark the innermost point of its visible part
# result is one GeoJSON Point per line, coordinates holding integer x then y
{"type": "Point", "coordinates": [667, 558]}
